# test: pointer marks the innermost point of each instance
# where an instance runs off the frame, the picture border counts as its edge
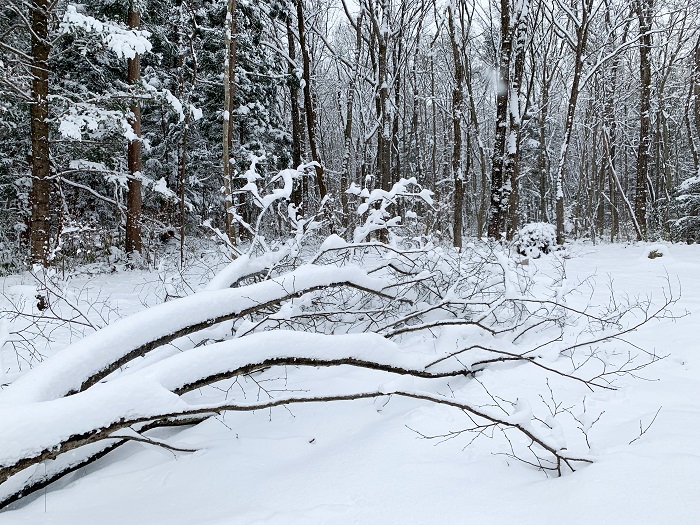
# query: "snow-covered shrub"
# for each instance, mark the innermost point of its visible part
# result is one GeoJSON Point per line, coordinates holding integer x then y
{"type": "Point", "coordinates": [536, 238]}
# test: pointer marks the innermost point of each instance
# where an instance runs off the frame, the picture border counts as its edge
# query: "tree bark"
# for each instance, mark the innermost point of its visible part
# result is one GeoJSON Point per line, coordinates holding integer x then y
{"type": "Point", "coordinates": [229, 85]}
{"type": "Point", "coordinates": [133, 200]}
{"type": "Point", "coordinates": [499, 189]}
{"type": "Point", "coordinates": [457, 99]}
{"type": "Point", "coordinates": [696, 96]}
{"type": "Point", "coordinates": [510, 167]}
{"type": "Point", "coordinates": [582, 27]}
{"type": "Point", "coordinates": [693, 102]}
{"type": "Point", "coordinates": [347, 135]}
{"type": "Point", "coordinates": [308, 102]}
{"type": "Point", "coordinates": [543, 157]}
{"type": "Point", "coordinates": [645, 14]}
{"type": "Point", "coordinates": [40, 154]}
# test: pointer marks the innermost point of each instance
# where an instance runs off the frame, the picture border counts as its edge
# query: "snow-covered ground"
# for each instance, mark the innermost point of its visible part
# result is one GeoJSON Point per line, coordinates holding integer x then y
{"type": "Point", "coordinates": [366, 461]}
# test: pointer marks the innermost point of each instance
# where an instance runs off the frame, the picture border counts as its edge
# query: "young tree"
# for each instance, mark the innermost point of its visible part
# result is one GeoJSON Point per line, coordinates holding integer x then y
{"type": "Point", "coordinates": [579, 19]}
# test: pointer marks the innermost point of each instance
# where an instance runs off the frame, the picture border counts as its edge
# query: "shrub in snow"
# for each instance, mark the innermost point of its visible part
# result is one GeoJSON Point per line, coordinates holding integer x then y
{"type": "Point", "coordinates": [536, 238]}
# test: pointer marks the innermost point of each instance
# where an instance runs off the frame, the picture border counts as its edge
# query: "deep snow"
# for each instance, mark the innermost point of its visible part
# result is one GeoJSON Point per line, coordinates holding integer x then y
{"type": "Point", "coordinates": [360, 462]}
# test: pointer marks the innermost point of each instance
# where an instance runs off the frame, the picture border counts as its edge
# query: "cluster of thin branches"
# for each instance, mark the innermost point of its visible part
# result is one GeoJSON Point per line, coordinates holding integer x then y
{"type": "Point", "coordinates": [400, 297]}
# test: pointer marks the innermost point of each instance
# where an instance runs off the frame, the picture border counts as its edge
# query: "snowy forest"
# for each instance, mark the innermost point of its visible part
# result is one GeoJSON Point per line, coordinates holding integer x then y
{"type": "Point", "coordinates": [346, 261]}
{"type": "Point", "coordinates": [125, 123]}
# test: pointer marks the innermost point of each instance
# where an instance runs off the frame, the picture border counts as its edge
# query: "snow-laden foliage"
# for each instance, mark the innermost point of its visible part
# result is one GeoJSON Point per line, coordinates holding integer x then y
{"type": "Point", "coordinates": [687, 227]}
{"type": "Point", "coordinates": [536, 238]}
{"type": "Point", "coordinates": [378, 203]}
{"type": "Point", "coordinates": [124, 42]}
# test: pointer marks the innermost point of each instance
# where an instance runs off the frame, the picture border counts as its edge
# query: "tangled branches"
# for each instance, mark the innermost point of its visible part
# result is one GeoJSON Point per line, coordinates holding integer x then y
{"type": "Point", "coordinates": [442, 319]}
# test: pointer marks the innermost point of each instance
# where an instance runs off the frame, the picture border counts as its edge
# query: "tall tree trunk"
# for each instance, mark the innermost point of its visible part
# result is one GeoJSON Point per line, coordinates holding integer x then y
{"type": "Point", "coordinates": [582, 27]}
{"type": "Point", "coordinates": [133, 199]}
{"type": "Point", "coordinates": [499, 186]}
{"type": "Point", "coordinates": [510, 168]}
{"type": "Point", "coordinates": [693, 102]}
{"type": "Point", "coordinates": [384, 135]}
{"type": "Point", "coordinates": [610, 120]}
{"type": "Point", "coordinates": [457, 99]}
{"type": "Point", "coordinates": [182, 168]}
{"type": "Point", "coordinates": [483, 197]}
{"type": "Point", "coordinates": [644, 13]}
{"type": "Point", "coordinates": [40, 161]}
{"type": "Point", "coordinates": [347, 135]}
{"type": "Point", "coordinates": [397, 55]}
{"type": "Point", "coordinates": [696, 97]}
{"type": "Point", "coordinates": [229, 86]}
{"type": "Point", "coordinates": [308, 102]}
{"type": "Point", "coordinates": [297, 193]}
{"type": "Point", "coordinates": [543, 157]}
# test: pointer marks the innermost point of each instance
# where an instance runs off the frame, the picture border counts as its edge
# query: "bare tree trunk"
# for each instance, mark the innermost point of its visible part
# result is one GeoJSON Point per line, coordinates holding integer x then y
{"type": "Point", "coordinates": [229, 87]}
{"type": "Point", "coordinates": [694, 102]}
{"type": "Point", "coordinates": [610, 122]}
{"type": "Point", "coordinates": [397, 56]}
{"type": "Point", "coordinates": [384, 135]}
{"type": "Point", "coordinates": [294, 97]}
{"type": "Point", "coordinates": [543, 157]}
{"type": "Point", "coordinates": [457, 99]}
{"type": "Point", "coordinates": [182, 171]}
{"type": "Point", "coordinates": [616, 180]}
{"type": "Point", "coordinates": [645, 14]}
{"type": "Point", "coordinates": [40, 160]}
{"type": "Point", "coordinates": [297, 138]}
{"type": "Point", "coordinates": [347, 135]}
{"type": "Point", "coordinates": [133, 200]}
{"type": "Point", "coordinates": [510, 168]}
{"type": "Point", "coordinates": [582, 27]}
{"type": "Point", "coordinates": [308, 102]}
{"type": "Point", "coordinates": [499, 189]}
{"type": "Point", "coordinates": [696, 97]}
{"type": "Point", "coordinates": [483, 198]}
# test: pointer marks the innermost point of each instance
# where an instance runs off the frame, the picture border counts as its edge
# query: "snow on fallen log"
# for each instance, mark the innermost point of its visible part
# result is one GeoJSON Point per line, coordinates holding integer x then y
{"type": "Point", "coordinates": [89, 360]}
{"type": "Point", "coordinates": [35, 432]}
{"type": "Point", "coordinates": [242, 267]}
{"type": "Point", "coordinates": [28, 429]}
{"type": "Point", "coordinates": [190, 370]}
{"type": "Point", "coordinates": [38, 431]}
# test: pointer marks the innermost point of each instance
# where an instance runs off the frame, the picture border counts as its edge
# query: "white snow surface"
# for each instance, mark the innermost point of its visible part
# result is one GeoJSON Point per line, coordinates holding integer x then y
{"type": "Point", "coordinates": [360, 462]}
